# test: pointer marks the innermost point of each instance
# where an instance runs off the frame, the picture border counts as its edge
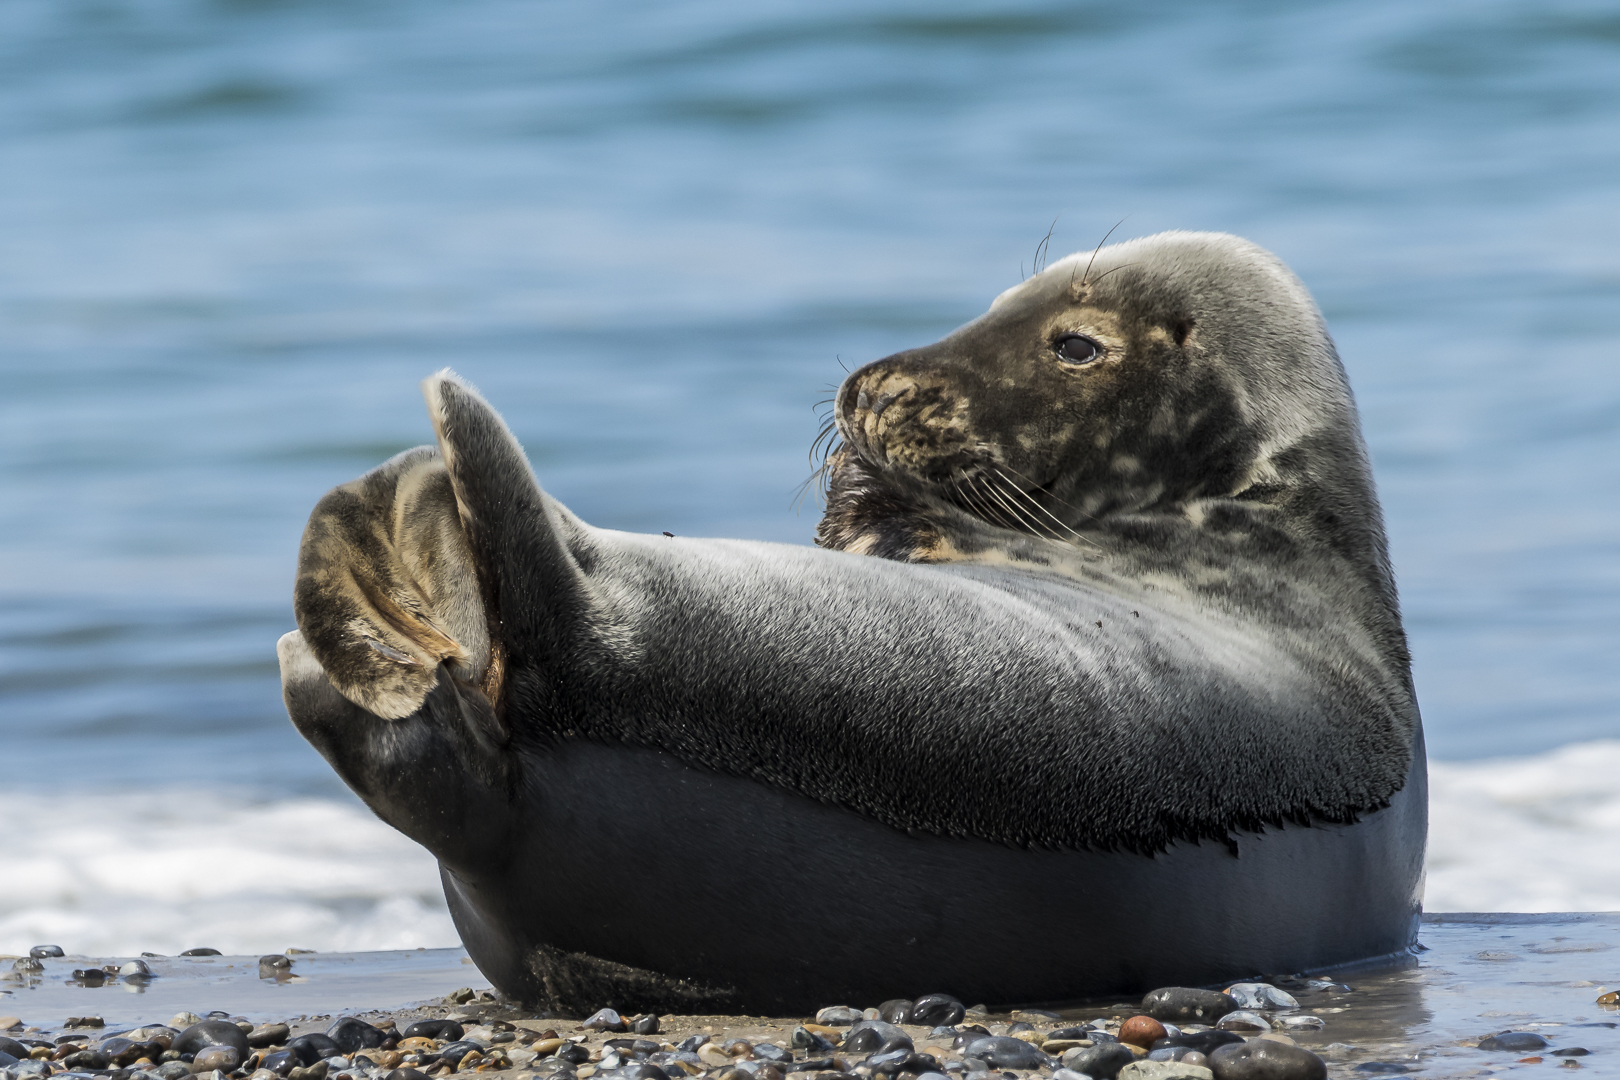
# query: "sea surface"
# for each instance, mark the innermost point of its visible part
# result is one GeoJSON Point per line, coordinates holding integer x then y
{"type": "Point", "coordinates": [235, 234]}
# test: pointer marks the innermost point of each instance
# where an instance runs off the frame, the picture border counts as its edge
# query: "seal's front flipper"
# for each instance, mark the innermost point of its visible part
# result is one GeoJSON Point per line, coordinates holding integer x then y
{"type": "Point", "coordinates": [387, 597]}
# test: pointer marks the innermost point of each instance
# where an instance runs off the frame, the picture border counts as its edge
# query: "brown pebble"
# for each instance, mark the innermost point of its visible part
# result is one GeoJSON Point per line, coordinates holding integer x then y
{"type": "Point", "coordinates": [1611, 998]}
{"type": "Point", "coordinates": [546, 1047]}
{"type": "Point", "coordinates": [1141, 1031]}
{"type": "Point", "coordinates": [390, 1059]}
{"type": "Point", "coordinates": [223, 1058]}
{"type": "Point", "coordinates": [1530, 1061]}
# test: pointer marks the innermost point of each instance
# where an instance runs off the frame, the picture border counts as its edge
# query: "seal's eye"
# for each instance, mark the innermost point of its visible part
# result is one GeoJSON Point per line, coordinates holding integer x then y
{"type": "Point", "coordinates": [1076, 349]}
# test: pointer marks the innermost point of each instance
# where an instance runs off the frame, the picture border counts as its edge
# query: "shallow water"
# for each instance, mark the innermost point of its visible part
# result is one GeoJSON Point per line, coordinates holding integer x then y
{"type": "Point", "coordinates": [235, 233]}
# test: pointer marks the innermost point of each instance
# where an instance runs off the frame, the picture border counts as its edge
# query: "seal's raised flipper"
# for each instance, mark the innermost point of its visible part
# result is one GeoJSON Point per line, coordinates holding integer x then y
{"type": "Point", "coordinates": [529, 552]}
{"type": "Point", "coordinates": [387, 597]}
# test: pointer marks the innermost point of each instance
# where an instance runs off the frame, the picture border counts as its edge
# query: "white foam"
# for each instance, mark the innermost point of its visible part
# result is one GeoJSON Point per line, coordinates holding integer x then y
{"type": "Point", "coordinates": [118, 874]}
{"type": "Point", "coordinates": [1526, 834]}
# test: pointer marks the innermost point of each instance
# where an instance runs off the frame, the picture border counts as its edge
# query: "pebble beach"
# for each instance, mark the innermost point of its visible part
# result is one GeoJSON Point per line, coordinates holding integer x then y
{"type": "Point", "coordinates": [1483, 995]}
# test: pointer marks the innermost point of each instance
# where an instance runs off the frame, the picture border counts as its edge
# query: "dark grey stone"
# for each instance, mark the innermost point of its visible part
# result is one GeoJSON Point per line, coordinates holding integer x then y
{"type": "Point", "coordinates": [281, 1062]}
{"type": "Point", "coordinates": [937, 1009]}
{"type": "Point", "coordinates": [268, 1035]}
{"type": "Point", "coordinates": [210, 1033]}
{"type": "Point", "coordinates": [434, 1029]}
{"type": "Point", "coordinates": [1006, 1052]}
{"type": "Point", "coordinates": [1515, 1041]}
{"type": "Point", "coordinates": [867, 1036]}
{"type": "Point", "coordinates": [895, 1011]}
{"type": "Point", "coordinates": [605, 1020]}
{"type": "Point", "coordinates": [351, 1034]}
{"type": "Point", "coordinates": [1101, 1062]}
{"type": "Point", "coordinates": [311, 1048]}
{"type": "Point", "coordinates": [1184, 1004]}
{"type": "Point", "coordinates": [1262, 1059]}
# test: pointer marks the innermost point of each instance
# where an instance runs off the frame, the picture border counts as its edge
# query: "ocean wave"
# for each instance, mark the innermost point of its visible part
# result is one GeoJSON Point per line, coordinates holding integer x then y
{"type": "Point", "coordinates": [1533, 833]}
{"type": "Point", "coordinates": [117, 874]}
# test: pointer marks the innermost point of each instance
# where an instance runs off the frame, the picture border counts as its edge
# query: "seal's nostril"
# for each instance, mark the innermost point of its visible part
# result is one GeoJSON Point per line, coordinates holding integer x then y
{"type": "Point", "coordinates": [885, 401]}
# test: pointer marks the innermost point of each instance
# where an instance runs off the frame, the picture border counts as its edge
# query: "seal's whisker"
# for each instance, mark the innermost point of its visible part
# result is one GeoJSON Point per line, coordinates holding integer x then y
{"type": "Point", "coordinates": [1121, 266]}
{"type": "Point", "coordinates": [1086, 277]}
{"type": "Point", "coordinates": [1025, 524]}
{"type": "Point", "coordinates": [993, 510]}
{"type": "Point", "coordinates": [976, 504]}
{"type": "Point", "coordinates": [1019, 495]}
{"type": "Point", "coordinates": [1035, 504]}
{"type": "Point", "coordinates": [1033, 486]}
{"type": "Point", "coordinates": [1043, 247]}
{"type": "Point", "coordinates": [817, 480]}
{"type": "Point", "coordinates": [1011, 495]}
{"type": "Point", "coordinates": [966, 502]}
{"type": "Point", "coordinates": [1029, 494]}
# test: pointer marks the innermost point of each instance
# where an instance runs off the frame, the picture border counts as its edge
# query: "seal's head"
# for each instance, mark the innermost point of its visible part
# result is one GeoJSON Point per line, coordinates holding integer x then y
{"type": "Point", "coordinates": [1162, 376]}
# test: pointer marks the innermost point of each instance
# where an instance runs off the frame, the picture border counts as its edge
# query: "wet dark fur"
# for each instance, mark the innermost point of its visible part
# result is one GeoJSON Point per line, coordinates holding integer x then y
{"type": "Point", "coordinates": [1203, 654]}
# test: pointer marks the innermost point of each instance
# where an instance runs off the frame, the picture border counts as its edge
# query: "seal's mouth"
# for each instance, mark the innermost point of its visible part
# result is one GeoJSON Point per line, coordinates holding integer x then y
{"type": "Point", "coordinates": [907, 457]}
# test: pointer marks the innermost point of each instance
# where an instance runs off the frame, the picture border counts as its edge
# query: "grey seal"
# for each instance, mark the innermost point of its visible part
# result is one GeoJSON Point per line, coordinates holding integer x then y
{"type": "Point", "coordinates": [1096, 683]}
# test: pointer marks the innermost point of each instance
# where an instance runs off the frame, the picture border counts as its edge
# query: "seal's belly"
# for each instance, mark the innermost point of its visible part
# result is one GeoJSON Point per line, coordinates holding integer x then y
{"type": "Point", "coordinates": [629, 856]}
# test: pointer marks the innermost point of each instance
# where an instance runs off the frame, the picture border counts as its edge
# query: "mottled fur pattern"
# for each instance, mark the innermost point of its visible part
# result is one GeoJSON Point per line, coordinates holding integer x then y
{"type": "Point", "coordinates": [1212, 448]}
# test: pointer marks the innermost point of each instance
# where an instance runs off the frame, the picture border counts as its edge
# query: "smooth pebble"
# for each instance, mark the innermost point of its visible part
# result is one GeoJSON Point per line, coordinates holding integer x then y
{"type": "Point", "coordinates": [1183, 1003]}
{"type": "Point", "coordinates": [1262, 1060]}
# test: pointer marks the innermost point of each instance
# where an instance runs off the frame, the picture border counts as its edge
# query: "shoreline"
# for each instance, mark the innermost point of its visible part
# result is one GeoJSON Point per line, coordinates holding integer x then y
{"type": "Point", "coordinates": [1474, 975]}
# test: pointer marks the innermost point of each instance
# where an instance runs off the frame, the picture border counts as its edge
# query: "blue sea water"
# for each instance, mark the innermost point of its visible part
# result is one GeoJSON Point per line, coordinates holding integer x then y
{"type": "Point", "coordinates": [234, 234]}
